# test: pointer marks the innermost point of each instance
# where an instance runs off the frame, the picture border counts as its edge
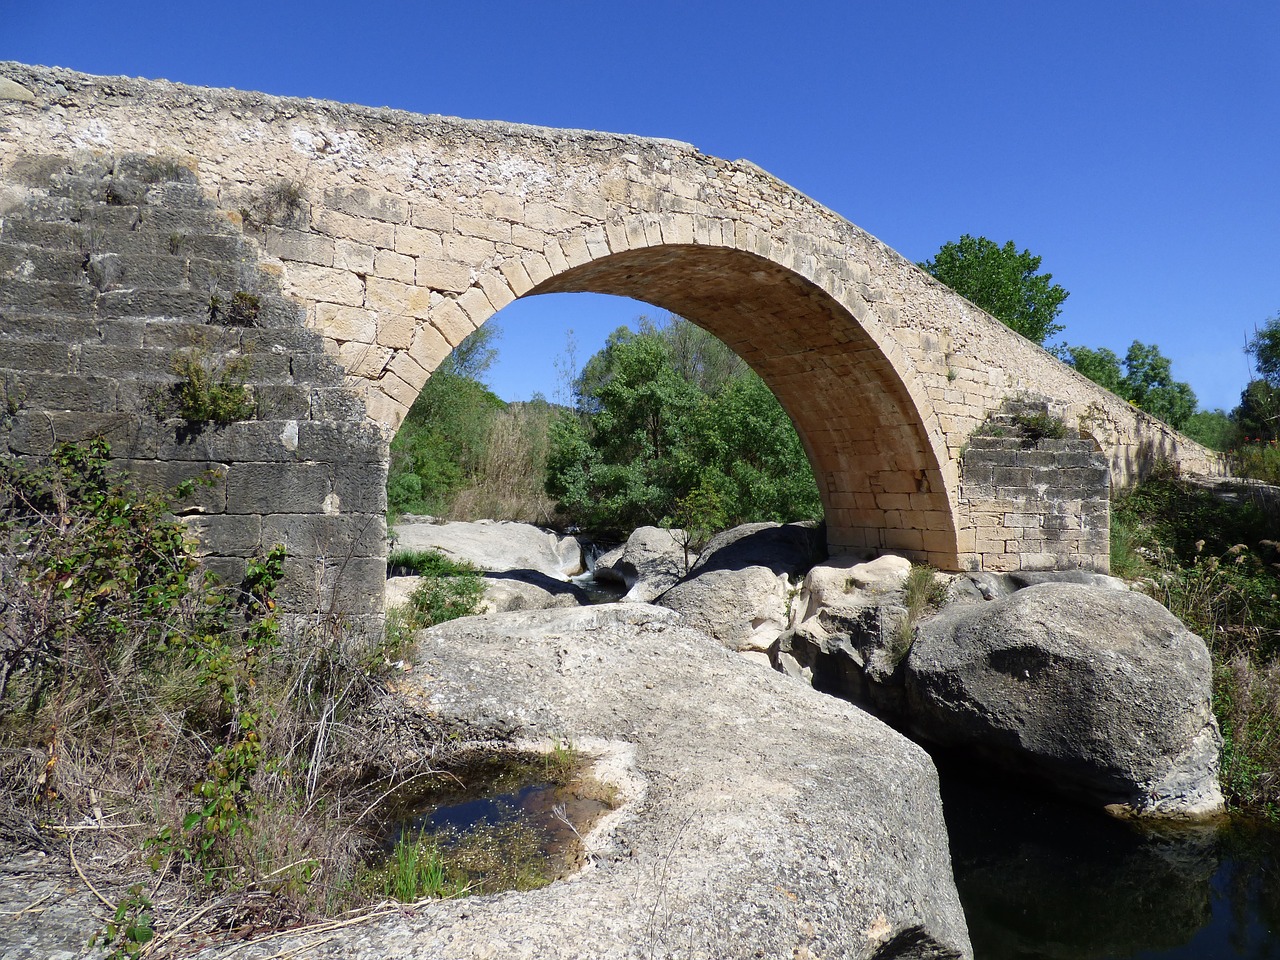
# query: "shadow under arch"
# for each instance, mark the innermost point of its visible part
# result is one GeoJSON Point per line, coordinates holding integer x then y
{"type": "Point", "coordinates": [878, 469]}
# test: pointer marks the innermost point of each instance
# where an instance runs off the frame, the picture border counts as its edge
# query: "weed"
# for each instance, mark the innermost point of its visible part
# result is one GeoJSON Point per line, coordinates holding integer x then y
{"type": "Point", "coordinates": [1040, 426]}
{"type": "Point", "coordinates": [241, 311]}
{"type": "Point", "coordinates": [1211, 560]}
{"type": "Point", "coordinates": [207, 391]}
{"type": "Point", "coordinates": [449, 589]}
{"type": "Point", "coordinates": [176, 242]}
{"type": "Point", "coordinates": [416, 870]}
{"type": "Point", "coordinates": [130, 929]}
{"type": "Point", "coordinates": [279, 203]}
{"type": "Point", "coordinates": [922, 593]}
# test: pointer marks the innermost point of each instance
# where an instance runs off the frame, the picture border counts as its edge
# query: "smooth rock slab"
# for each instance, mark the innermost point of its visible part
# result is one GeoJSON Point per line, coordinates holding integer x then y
{"type": "Point", "coordinates": [496, 545]}
{"type": "Point", "coordinates": [1103, 692]}
{"type": "Point", "coordinates": [762, 819]}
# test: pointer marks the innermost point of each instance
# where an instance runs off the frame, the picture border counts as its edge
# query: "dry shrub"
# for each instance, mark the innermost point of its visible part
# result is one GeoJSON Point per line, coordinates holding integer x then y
{"type": "Point", "coordinates": [508, 483]}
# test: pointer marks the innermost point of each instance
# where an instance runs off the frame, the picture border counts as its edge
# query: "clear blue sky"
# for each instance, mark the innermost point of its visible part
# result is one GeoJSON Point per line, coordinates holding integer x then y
{"type": "Point", "coordinates": [1132, 145]}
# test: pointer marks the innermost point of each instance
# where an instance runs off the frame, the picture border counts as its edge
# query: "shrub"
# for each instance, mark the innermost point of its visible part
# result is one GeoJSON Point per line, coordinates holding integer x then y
{"type": "Point", "coordinates": [449, 589]}
{"type": "Point", "coordinates": [207, 391]}
{"type": "Point", "coordinates": [1211, 559]}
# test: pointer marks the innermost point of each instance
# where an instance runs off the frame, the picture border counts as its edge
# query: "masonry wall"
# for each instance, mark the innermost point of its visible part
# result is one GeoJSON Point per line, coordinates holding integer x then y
{"type": "Point", "coordinates": [116, 270]}
{"type": "Point", "coordinates": [1037, 504]}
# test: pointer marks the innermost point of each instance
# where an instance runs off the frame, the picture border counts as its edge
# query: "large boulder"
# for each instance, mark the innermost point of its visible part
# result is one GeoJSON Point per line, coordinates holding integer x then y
{"type": "Point", "coordinates": [757, 818]}
{"type": "Point", "coordinates": [496, 545]}
{"type": "Point", "coordinates": [1102, 691]}
{"type": "Point", "coordinates": [649, 563]}
{"type": "Point", "coordinates": [846, 631]}
{"type": "Point", "coordinates": [739, 591]}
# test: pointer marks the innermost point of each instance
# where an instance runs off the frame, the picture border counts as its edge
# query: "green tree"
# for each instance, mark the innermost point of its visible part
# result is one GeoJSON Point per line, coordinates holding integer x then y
{"type": "Point", "coordinates": [1214, 428]}
{"type": "Point", "coordinates": [1264, 348]}
{"type": "Point", "coordinates": [1147, 381]}
{"type": "Point", "coordinates": [443, 438]}
{"type": "Point", "coordinates": [668, 428]}
{"type": "Point", "coordinates": [1102, 366]}
{"type": "Point", "coordinates": [1150, 386]}
{"type": "Point", "coordinates": [1004, 282]}
{"type": "Point", "coordinates": [1258, 416]}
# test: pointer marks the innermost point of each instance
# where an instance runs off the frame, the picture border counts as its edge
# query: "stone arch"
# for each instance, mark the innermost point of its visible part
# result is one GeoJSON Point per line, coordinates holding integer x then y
{"type": "Point", "coordinates": [868, 428]}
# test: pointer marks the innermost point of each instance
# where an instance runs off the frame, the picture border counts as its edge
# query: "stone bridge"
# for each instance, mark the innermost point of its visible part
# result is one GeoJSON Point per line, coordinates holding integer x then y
{"type": "Point", "coordinates": [396, 235]}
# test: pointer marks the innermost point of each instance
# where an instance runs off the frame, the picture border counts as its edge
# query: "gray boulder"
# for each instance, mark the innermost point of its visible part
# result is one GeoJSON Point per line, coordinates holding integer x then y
{"type": "Point", "coordinates": [784, 548]}
{"type": "Point", "coordinates": [1102, 691]}
{"type": "Point", "coordinates": [739, 591]}
{"type": "Point", "coordinates": [757, 818]}
{"type": "Point", "coordinates": [744, 609]}
{"type": "Point", "coordinates": [496, 545]}
{"type": "Point", "coordinates": [649, 563]}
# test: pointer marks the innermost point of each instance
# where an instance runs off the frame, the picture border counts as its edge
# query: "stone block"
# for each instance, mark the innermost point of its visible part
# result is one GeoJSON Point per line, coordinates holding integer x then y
{"type": "Point", "coordinates": [361, 359]}
{"type": "Point", "coordinates": [208, 495]}
{"type": "Point", "coordinates": [431, 216]}
{"type": "Point", "coordinates": [318, 535]}
{"type": "Point", "coordinates": [394, 266]}
{"type": "Point", "coordinates": [226, 535]}
{"type": "Point", "coordinates": [298, 245]}
{"type": "Point", "coordinates": [446, 275]}
{"type": "Point", "coordinates": [343, 323]}
{"type": "Point", "coordinates": [325, 284]}
{"type": "Point", "coordinates": [361, 487]}
{"type": "Point", "coordinates": [368, 204]}
{"type": "Point", "coordinates": [341, 226]}
{"type": "Point", "coordinates": [415, 242]}
{"type": "Point", "coordinates": [269, 487]}
{"type": "Point", "coordinates": [356, 257]}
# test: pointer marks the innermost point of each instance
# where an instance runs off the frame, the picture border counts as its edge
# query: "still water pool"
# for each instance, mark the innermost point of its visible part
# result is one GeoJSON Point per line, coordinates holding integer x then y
{"type": "Point", "coordinates": [1044, 880]}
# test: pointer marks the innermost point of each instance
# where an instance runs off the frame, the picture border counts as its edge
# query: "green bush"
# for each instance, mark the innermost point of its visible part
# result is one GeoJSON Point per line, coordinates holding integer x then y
{"type": "Point", "coordinates": [659, 422]}
{"type": "Point", "coordinates": [449, 589]}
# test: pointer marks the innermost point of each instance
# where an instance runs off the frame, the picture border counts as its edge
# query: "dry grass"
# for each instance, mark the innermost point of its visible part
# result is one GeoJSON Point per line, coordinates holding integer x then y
{"type": "Point", "coordinates": [508, 483]}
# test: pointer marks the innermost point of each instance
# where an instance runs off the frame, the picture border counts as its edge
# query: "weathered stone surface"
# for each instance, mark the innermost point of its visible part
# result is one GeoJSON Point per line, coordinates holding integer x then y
{"type": "Point", "coordinates": [760, 818]}
{"type": "Point", "coordinates": [650, 562]}
{"type": "Point", "coordinates": [1102, 691]}
{"type": "Point", "coordinates": [739, 590]}
{"type": "Point", "coordinates": [504, 592]}
{"type": "Point", "coordinates": [496, 546]}
{"type": "Point", "coordinates": [785, 549]}
{"type": "Point", "coordinates": [745, 609]}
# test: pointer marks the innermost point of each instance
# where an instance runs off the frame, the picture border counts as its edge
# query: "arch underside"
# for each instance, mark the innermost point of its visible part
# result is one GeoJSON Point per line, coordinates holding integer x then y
{"type": "Point", "coordinates": [879, 479]}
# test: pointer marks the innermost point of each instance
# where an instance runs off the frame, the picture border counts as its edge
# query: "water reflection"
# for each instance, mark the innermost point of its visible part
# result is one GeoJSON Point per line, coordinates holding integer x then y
{"type": "Point", "coordinates": [1043, 880]}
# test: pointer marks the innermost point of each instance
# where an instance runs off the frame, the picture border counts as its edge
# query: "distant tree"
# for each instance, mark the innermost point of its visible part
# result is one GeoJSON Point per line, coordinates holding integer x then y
{"type": "Point", "coordinates": [1003, 282]}
{"type": "Point", "coordinates": [1258, 416]}
{"type": "Point", "coordinates": [473, 357]}
{"type": "Point", "coordinates": [1214, 428]}
{"type": "Point", "coordinates": [1264, 348]}
{"type": "Point", "coordinates": [1150, 385]}
{"type": "Point", "coordinates": [1147, 381]}
{"type": "Point", "coordinates": [1101, 366]}
{"type": "Point", "coordinates": [673, 429]}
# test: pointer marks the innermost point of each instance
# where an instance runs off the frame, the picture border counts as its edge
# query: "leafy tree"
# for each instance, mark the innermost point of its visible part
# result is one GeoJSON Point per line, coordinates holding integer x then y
{"type": "Point", "coordinates": [1101, 366]}
{"type": "Point", "coordinates": [1264, 347]}
{"type": "Point", "coordinates": [1147, 381]}
{"type": "Point", "coordinates": [1150, 385]}
{"type": "Point", "coordinates": [443, 438]}
{"type": "Point", "coordinates": [1214, 428]}
{"type": "Point", "coordinates": [670, 431]}
{"type": "Point", "coordinates": [1258, 416]}
{"type": "Point", "coordinates": [1003, 282]}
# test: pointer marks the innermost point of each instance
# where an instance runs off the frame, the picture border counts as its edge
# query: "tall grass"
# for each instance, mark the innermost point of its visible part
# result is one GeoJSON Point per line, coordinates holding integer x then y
{"type": "Point", "coordinates": [508, 482]}
{"type": "Point", "coordinates": [1212, 560]}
